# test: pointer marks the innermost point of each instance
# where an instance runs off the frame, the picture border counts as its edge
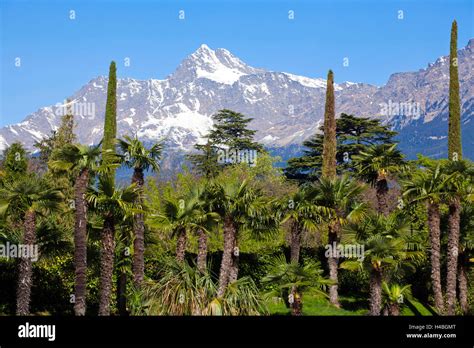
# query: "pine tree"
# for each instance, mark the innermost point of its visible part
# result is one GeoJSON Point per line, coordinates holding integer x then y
{"type": "Point", "coordinates": [454, 136]}
{"type": "Point", "coordinates": [205, 162]}
{"type": "Point", "coordinates": [228, 135]}
{"type": "Point", "coordinates": [64, 135]}
{"type": "Point", "coordinates": [230, 129]}
{"type": "Point", "coordinates": [329, 142]}
{"type": "Point", "coordinates": [353, 134]}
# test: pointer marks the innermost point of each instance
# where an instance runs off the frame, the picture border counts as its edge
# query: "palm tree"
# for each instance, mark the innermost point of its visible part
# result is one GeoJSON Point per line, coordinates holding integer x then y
{"type": "Point", "coordinates": [113, 205]}
{"type": "Point", "coordinates": [191, 213]}
{"type": "Point", "coordinates": [303, 215]}
{"type": "Point", "coordinates": [141, 159]}
{"type": "Point", "coordinates": [33, 197]}
{"type": "Point", "coordinates": [466, 254]}
{"type": "Point", "coordinates": [240, 207]}
{"type": "Point", "coordinates": [83, 160]}
{"type": "Point", "coordinates": [393, 296]}
{"type": "Point", "coordinates": [340, 196]}
{"type": "Point", "coordinates": [386, 247]}
{"type": "Point", "coordinates": [184, 290]}
{"type": "Point", "coordinates": [176, 217]}
{"type": "Point", "coordinates": [429, 186]}
{"type": "Point", "coordinates": [375, 166]}
{"type": "Point", "coordinates": [204, 221]}
{"type": "Point", "coordinates": [123, 246]}
{"type": "Point", "coordinates": [292, 279]}
{"type": "Point", "coordinates": [459, 186]}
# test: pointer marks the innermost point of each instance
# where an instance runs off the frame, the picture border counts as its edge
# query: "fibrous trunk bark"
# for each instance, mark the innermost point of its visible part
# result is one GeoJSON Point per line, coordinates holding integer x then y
{"type": "Point", "coordinates": [295, 242]}
{"type": "Point", "coordinates": [202, 250]}
{"type": "Point", "coordinates": [297, 304]}
{"type": "Point", "coordinates": [106, 265]}
{"type": "Point", "coordinates": [394, 309]}
{"type": "Point", "coordinates": [181, 245]}
{"type": "Point", "coordinates": [25, 271]}
{"type": "Point", "coordinates": [463, 285]}
{"type": "Point", "coordinates": [453, 252]}
{"type": "Point", "coordinates": [333, 261]}
{"type": "Point", "coordinates": [381, 188]}
{"type": "Point", "coordinates": [138, 261]}
{"type": "Point", "coordinates": [234, 270]}
{"type": "Point", "coordinates": [375, 292]}
{"type": "Point", "coordinates": [435, 235]}
{"type": "Point", "coordinates": [226, 263]}
{"type": "Point", "coordinates": [122, 293]}
{"type": "Point", "coordinates": [80, 243]}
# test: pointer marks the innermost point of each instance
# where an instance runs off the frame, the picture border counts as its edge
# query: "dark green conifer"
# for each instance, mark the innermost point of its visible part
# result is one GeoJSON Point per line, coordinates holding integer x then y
{"type": "Point", "coordinates": [15, 161]}
{"type": "Point", "coordinates": [454, 134]}
{"type": "Point", "coordinates": [329, 141]}
{"type": "Point", "coordinates": [108, 230]}
{"type": "Point", "coordinates": [228, 136]}
{"type": "Point", "coordinates": [110, 123]}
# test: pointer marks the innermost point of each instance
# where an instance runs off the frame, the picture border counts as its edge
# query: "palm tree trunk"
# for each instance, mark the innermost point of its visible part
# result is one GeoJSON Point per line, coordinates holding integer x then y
{"type": "Point", "coordinates": [435, 234]}
{"type": "Point", "coordinates": [381, 189]}
{"type": "Point", "coordinates": [453, 252]}
{"type": "Point", "coordinates": [394, 309]}
{"type": "Point", "coordinates": [297, 305]}
{"type": "Point", "coordinates": [226, 263]}
{"type": "Point", "coordinates": [462, 285]}
{"type": "Point", "coordinates": [375, 292]}
{"type": "Point", "coordinates": [295, 242]}
{"type": "Point", "coordinates": [181, 245]}
{"type": "Point", "coordinates": [25, 271]}
{"type": "Point", "coordinates": [202, 250]}
{"type": "Point", "coordinates": [138, 262]}
{"type": "Point", "coordinates": [122, 293]}
{"type": "Point", "coordinates": [333, 261]}
{"type": "Point", "coordinates": [106, 265]}
{"type": "Point", "coordinates": [234, 270]}
{"type": "Point", "coordinates": [80, 243]}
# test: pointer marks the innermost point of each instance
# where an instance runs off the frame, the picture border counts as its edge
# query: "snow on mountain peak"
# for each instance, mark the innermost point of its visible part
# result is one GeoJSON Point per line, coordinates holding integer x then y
{"type": "Point", "coordinates": [286, 108]}
{"type": "Point", "coordinates": [307, 82]}
{"type": "Point", "coordinates": [220, 66]}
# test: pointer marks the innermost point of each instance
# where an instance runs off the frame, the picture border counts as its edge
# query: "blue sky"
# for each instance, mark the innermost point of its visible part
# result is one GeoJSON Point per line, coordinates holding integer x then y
{"type": "Point", "coordinates": [59, 55]}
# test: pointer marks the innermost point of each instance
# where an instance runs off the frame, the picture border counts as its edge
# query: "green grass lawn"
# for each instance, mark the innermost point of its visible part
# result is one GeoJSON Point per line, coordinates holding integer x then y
{"type": "Point", "coordinates": [314, 304]}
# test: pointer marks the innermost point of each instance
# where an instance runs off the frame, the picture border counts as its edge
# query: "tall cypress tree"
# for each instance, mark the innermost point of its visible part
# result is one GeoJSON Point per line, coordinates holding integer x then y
{"type": "Point", "coordinates": [329, 172]}
{"type": "Point", "coordinates": [110, 124]}
{"type": "Point", "coordinates": [329, 141]}
{"type": "Point", "coordinates": [454, 136]}
{"type": "Point", "coordinates": [455, 154]}
{"type": "Point", "coordinates": [108, 230]}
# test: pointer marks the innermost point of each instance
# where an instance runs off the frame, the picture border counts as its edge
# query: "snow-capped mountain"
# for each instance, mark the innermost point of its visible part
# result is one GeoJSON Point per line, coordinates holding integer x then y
{"type": "Point", "coordinates": [286, 108]}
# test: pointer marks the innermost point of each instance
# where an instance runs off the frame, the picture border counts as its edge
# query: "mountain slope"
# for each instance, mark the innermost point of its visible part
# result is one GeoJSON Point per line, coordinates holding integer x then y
{"type": "Point", "coordinates": [286, 108]}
